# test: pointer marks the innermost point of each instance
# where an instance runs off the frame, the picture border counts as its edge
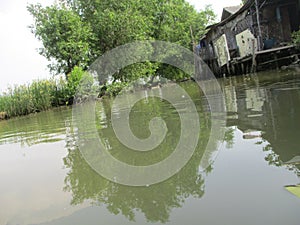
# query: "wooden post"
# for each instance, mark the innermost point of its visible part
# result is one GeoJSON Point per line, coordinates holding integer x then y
{"type": "Point", "coordinates": [228, 67]}
{"type": "Point", "coordinates": [197, 69]}
{"type": "Point", "coordinates": [276, 60]}
{"type": "Point", "coordinates": [253, 70]}
{"type": "Point", "coordinates": [243, 68]}
{"type": "Point", "coordinates": [259, 37]}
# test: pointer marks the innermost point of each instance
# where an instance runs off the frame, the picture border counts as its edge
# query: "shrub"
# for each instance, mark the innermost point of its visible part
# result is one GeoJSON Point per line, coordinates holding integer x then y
{"type": "Point", "coordinates": [296, 38]}
{"type": "Point", "coordinates": [114, 89]}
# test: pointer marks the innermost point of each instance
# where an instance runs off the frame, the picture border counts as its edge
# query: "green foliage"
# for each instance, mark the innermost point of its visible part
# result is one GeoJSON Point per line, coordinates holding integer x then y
{"type": "Point", "coordinates": [74, 78]}
{"type": "Point", "coordinates": [67, 40]}
{"type": "Point", "coordinates": [78, 85]}
{"type": "Point", "coordinates": [60, 94]}
{"type": "Point", "coordinates": [66, 91]}
{"type": "Point", "coordinates": [87, 89]}
{"type": "Point", "coordinates": [43, 94]}
{"type": "Point", "coordinates": [115, 88]}
{"type": "Point", "coordinates": [26, 99]}
{"type": "Point", "coordinates": [76, 32]}
{"type": "Point", "coordinates": [174, 21]}
{"type": "Point", "coordinates": [172, 73]}
{"type": "Point", "coordinates": [296, 38]}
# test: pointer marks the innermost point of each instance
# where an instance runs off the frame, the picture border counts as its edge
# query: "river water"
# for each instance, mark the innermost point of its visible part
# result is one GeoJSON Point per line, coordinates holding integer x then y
{"type": "Point", "coordinates": [46, 181]}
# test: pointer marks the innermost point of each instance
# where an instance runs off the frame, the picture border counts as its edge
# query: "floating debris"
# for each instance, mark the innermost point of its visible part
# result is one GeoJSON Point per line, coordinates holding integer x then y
{"type": "Point", "coordinates": [252, 135]}
{"type": "Point", "coordinates": [294, 189]}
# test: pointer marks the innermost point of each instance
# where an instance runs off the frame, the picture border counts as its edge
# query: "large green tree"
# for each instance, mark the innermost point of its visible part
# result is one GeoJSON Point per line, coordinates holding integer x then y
{"type": "Point", "coordinates": [76, 32]}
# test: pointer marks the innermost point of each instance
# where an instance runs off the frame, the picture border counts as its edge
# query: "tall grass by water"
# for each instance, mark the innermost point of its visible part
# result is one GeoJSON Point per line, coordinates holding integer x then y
{"type": "Point", "coordinates": [25, 99]}
{"type": "Point", "coordinates": [39, 96]}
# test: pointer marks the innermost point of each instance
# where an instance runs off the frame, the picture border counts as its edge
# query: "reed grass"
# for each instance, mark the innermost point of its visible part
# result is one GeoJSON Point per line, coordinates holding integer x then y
{"type": "Point", "coordinates": [25, 99]}
{"type": "Point", "coordinates": [40, 95]}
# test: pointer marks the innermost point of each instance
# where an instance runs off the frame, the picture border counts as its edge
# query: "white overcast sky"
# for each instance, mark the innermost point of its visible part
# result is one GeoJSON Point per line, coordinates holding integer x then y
{"type": "Point", "coordinates": [19, 61]}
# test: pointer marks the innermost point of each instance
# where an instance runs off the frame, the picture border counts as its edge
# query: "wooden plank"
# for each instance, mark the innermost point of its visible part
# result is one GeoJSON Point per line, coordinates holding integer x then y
{"type": "Point", "coordinates": [276, 60]}
{"type": "Point", "coordinates": [274, 50]}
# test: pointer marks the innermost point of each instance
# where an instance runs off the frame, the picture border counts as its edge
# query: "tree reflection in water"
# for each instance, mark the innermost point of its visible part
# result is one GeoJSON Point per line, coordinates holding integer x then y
{"type": "Point", "coordinates": [156, 201]}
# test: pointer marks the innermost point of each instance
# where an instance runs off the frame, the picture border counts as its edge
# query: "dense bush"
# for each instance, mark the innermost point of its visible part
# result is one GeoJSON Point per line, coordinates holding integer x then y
{"type": "Point", "coordinates": [65, 90]}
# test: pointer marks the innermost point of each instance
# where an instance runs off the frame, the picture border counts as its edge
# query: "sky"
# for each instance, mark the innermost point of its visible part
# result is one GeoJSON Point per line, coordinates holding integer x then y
{"type": "Point", "coordinates": [20, 62]}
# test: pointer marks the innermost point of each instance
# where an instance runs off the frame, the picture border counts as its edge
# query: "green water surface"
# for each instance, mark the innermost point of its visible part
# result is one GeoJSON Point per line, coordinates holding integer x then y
{"type": "Point", "coordinates": [46, 181]}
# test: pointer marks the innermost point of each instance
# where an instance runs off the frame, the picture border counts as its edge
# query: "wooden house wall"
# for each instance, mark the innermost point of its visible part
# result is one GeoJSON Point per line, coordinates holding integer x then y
{"type": "Point", "coordinates": [271, 28]}
{"type": "Point", "coordinates": [276, 28]}
{"type": "Point", "coordinates": [231, 29]}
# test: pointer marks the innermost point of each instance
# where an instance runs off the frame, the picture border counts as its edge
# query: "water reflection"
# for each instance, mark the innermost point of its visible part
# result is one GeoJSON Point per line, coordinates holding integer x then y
{"type": "Point", "coordinates": [268, 103]}
{"type": "Point", "coordinates": [31, 168]}
{"type": "Point", "coordinates": [44, 127]}
{"type": "Point", "coordinates": [263, 116]}
{"type": "Point", "coordinates": [264, 112]}
{"type": "Point", "coordinates": [156, 202]}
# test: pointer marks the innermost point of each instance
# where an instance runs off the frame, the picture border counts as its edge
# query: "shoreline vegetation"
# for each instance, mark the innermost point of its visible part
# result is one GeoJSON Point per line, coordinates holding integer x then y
{"type": "Point", "coordinates": [40, 95]}
{"type": "Point", "coordinates": [46, 94]}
